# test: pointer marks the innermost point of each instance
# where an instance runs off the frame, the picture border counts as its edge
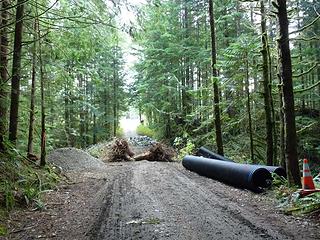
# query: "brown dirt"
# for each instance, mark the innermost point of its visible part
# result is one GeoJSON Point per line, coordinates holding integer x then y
{"type": "Point", "coordinates": [155, 200]}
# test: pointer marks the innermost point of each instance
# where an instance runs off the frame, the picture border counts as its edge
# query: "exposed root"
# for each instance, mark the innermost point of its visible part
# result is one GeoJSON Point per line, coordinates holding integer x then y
{"type": "Point", "coordinates": [157, 152]}
{"type": "Point", "coordinates": [119, 151]}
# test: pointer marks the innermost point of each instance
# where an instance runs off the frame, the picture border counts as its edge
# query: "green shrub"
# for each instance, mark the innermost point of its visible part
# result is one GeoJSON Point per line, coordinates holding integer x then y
{"type": "Point", "coordinates": [22, 182]}
{"type": "Point", "coordinates": [185, 149]}
{"type": "Point", "coordinates": [145, 131]}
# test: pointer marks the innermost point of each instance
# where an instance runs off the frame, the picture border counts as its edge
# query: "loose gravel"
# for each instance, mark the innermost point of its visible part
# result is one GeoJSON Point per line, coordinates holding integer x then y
{"type": "Point", "coordinates": [73, 159]}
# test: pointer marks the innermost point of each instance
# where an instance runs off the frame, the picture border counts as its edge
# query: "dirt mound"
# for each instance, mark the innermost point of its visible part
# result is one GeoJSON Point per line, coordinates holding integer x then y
{"type": "Point", "coordinates": [73, 159]}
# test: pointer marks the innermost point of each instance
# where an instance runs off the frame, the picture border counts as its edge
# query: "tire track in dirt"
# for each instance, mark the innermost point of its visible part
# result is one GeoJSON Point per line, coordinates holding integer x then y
{"type": "Point", "coordinates": [153, 200]}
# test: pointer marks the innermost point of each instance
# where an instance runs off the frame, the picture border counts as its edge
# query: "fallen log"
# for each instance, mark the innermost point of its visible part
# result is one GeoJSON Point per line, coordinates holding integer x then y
{"type": "Point", "coordinates": [252, 177]}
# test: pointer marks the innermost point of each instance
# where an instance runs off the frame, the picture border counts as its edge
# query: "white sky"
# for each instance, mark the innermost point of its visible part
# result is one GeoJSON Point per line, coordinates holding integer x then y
{"type": "Point", "coordinates": [127, 17]}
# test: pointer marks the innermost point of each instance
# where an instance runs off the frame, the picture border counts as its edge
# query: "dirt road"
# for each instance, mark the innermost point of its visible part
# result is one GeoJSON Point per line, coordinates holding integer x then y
{"type": "Point", "coordinates": [155, 200]}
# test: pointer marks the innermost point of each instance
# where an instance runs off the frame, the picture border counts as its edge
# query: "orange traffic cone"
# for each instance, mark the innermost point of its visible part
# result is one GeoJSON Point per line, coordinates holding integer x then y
{"type": "Point", "coordinates": [307, 180]}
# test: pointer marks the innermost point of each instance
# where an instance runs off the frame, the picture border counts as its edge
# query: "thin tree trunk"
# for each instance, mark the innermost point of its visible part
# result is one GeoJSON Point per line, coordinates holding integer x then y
{"type": "Point", "coordinates": [43, 115]}
{"type": "Point", "coordinates": [303, 103]}
{"type": "Point", "coordinates": [249, 110]}
{"type": "Point", "coordinates": [288, 97]}
{"type": "Point", "coordinates": [3, 72]}
{"type": "Point", "coordinates": [266, 86]}
{"type": "Point", "coordinates": [94, 137]}
{"type": "Point", "coordinates": [216, 100]}
{"type": "Point", "coordinates": [114, 98]}
{"type": "Point", "coordinates": [282, 140]}
{"type": "Point", "coordinates": [81, 112]}
{"type": "Point", "coordinates": [67, 112]}
{"type": "Point", "coordinates": [33, 90]}
{"type": "Point", "coordinates": [16, 71]}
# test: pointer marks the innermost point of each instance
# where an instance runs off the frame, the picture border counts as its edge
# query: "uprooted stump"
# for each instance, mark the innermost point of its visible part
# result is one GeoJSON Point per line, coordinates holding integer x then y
{"type": "Point", "coordinates": [119, 151]}
{"type": "Point", "coordinates": [157, 152]}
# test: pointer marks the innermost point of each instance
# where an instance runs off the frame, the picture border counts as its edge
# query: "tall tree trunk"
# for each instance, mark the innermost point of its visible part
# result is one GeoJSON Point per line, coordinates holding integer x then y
{"type": "Point", "coordinates": [114, 97]}
{"type": "Point", "coordinates": [43, 114]}
{"type": "Point", "coordinates": [16, 71]}
{"type": "Point", "coordinates": [288, 97]}
{"type": "Point", "coordinates": [282, 135]}
{"type": "Point", "coordinates": [33, 91]}
{"type": "Point", "coordinates": [216, 100]}
{"type": "Point", "coordinates": [3, 71]}
{"type": "Point", "coordinates": [67, 112]}
{"type": "Point", "coordinates": [249, 109]}
{"type": "Point", "coordinates": [215, 82]}
{"type": "Point", "coordinates": [81, 110]}
{"type": "Point", "coordinates": [266, 86]}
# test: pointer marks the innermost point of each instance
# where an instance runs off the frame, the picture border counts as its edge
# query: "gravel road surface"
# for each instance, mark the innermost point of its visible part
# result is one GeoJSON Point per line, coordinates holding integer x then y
{"type": "Point", "coordinates": [153, 200]}
{"type": "Point", "coordinates": [156, 200]}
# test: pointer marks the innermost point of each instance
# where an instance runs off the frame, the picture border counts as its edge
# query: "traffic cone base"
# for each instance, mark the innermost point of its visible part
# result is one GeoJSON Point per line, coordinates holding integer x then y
{"type": "Point", "coordinates": [305, 192]}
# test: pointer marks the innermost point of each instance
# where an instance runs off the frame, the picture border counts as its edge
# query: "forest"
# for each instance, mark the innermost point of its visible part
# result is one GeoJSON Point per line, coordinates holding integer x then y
{"type": "Point", "coordinates": [241, 77]}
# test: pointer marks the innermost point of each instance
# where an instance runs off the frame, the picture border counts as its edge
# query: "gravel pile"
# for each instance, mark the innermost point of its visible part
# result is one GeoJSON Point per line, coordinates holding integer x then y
{"type": "Point", "coordinates": [143, 141]}
{"type": "Point", "coordinates": [73, 159]}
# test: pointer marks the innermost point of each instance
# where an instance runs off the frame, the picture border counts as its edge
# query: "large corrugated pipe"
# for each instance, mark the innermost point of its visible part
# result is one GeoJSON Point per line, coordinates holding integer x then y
{"type": "Point", "coordinates": [251, 177]}
{"type": "Point", "coordinates": [203, 151]}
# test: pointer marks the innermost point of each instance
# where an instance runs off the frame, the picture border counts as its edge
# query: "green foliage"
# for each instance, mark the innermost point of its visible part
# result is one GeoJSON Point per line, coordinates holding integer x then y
{"type": "Point", "coordinates": [295, 205]}
{"type": "Point", "coordinates": [119, 132]}
{"type": "Point", "coordinates": [3, 230]}
{"type": "Point", "coordinates": [23, 182]}
{"type": "Point", "coordinates": [290, 200]}
{"type": "Point", "coordinates": [173, 85]}
{"type": "Point", "coordinates": [83, 70]}
{"type": "Point", "coordinates": [187, 148]}
{"type": "Point", "coordinates": [145, 131]}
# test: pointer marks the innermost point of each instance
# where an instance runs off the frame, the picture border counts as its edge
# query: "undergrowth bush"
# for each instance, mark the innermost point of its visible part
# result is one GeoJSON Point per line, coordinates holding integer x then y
{"type": "Point", "coordinates": [145, 131]}
{"type": "Point", "coordinates": [290, 200]}
{"type": "Point", "coordinates": [22, 182]}
{"type": "Point", "coordinates": [119, 132]}
{"type": "Point", "coordinates": [184, 148]}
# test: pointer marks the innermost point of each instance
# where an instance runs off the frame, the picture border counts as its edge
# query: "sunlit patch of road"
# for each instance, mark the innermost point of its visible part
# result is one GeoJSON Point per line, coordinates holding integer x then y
{"type": "Point", "coordinates": [129, 126]}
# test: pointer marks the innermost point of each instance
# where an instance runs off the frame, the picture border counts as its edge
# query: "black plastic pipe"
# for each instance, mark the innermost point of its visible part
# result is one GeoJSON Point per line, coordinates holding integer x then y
{"type": "Point", "coordinates": [203, 151]}
{"type": "Point", "coordinates": [251, 177]}
{"type": "Point", "coordinates": [280, 171]}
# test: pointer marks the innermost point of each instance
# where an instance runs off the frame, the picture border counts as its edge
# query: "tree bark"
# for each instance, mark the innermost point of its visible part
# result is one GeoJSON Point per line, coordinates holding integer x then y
{"type": "Point", "coordinates": [43, 114]}
{"type": "Point", "coordinates": [266, 86]}
{"type": "Point", "coordinates": [249, 109]}
{"type": "Point", "coordinates": [3, 72]}
{"type": "Point", "coordinates": [16, 70]}
{"type": "Point", "coordinates": [33, 90]}
{"type": "Point", "coordinates": [288, 97]}
{"type": "Point", "coordinates": [216, 100]}
{"type": "Point", "coordinates": [81, 110]}
{"type": "Point", "coordinates": [114, 96]}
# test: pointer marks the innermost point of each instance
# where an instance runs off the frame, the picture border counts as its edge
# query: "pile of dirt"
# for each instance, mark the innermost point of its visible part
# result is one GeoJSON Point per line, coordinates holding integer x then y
{"type": "Point", "coordinates": [73, 159]}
